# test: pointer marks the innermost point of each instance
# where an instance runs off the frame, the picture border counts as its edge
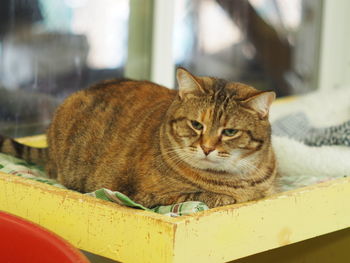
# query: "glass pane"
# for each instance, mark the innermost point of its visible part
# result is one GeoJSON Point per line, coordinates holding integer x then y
{"type": "Point", "coordinates": [269, 44]}
{"type": "Point", "coordinates": [49, 49]}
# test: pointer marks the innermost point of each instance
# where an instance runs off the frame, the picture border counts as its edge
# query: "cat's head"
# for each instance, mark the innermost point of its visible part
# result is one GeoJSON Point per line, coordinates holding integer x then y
{"type": "Point", "coordinates": [218, 125]}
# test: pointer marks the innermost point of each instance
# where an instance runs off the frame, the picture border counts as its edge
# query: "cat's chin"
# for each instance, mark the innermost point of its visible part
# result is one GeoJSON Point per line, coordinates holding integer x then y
{"type": "Point", "coordinates": [209, 161]}
{"type": "Point", "coordinates": [208, 165]}
{"type": "Point", "coordinates": [218, 167]}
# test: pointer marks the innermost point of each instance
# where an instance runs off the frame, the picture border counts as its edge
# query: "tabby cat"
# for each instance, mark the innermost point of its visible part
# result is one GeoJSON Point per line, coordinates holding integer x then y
{"type": "Point", "coordinates": [209, 141]}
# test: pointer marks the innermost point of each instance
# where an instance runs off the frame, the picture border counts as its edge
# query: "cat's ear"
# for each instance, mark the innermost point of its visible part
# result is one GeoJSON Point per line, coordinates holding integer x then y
{"type": "Point", "coordinates": [261, 103]}
{"type": "Point", "coordinates": [188, 84]}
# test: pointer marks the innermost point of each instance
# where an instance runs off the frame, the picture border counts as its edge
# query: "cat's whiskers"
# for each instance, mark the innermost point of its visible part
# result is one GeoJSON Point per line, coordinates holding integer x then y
{"type": "Point", "coordinates": [171, 149]}
{"type": "Point", "coordinates": [243, 167]}
{"type": "Point", "coordinates": [185, 154]}
{"type": "Point", "coordinates": [174, 158]}
{"type": "Point", "coordinates": [245, 164]}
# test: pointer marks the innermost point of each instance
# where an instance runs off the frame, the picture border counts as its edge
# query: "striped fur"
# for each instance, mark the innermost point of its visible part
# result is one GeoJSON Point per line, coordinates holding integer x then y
{"type": "Point", "coordinates": [136, 137]}
{"type": "Point", "coordinates": [19, 150]}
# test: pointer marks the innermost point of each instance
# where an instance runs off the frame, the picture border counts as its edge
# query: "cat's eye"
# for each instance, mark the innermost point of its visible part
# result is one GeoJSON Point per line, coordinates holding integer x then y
{"type": "Point", "coordinates": [197, 125]}
{"type": "Point", "coordinates": [229, 132]}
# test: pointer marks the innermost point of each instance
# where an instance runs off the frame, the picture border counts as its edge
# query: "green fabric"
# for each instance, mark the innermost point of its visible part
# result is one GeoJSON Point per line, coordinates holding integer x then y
{"type": "Point", "coordinates": [15, 166]}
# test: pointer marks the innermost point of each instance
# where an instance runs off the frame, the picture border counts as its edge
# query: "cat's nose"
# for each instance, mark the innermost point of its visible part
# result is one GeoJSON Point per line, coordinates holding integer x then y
{"type": "Point", "coordinates": [207, 149]}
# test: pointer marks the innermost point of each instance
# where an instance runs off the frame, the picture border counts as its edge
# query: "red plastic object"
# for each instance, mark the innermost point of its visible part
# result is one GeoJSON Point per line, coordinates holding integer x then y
{"type": "Point", "coordinates": [22, 241]}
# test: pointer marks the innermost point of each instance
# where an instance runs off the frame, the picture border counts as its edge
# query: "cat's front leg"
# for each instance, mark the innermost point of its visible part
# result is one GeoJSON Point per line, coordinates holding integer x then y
{"type": "Point", "coordinates": [209, 198]}
{"type": "Point", "coordinates": [215, 200]}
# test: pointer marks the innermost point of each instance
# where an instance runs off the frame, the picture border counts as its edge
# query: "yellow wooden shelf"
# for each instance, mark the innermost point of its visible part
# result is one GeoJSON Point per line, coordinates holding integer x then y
{"type": "Point", "coordinates": [217, 235]}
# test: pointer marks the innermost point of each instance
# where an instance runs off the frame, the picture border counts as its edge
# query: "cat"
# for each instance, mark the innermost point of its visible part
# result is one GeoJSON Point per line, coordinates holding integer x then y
{"type": "Point", "coordinates": [209, 141]}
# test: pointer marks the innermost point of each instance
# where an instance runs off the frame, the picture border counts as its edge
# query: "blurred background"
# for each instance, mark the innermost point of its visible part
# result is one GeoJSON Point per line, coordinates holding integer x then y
{"type": "Point", "coordinates": [51, 48]}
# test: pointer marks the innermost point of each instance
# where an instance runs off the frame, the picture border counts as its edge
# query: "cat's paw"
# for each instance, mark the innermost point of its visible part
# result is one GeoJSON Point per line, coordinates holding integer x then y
{"type": "Point", "coordinates": [221, 200]}
{"type": "Point", "coordinates": [226, 200]}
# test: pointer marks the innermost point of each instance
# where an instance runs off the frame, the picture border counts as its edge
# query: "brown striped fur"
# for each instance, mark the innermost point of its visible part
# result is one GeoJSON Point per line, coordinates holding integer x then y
{"type": "Point", "coordinates": [137, 137]}
{"type": "Point", "coordinates": [16, 149]}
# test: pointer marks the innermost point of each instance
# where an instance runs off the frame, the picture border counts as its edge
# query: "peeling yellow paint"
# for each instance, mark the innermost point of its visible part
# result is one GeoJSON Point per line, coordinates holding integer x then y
{"type": "Point", "coordinates": [284, 236]}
